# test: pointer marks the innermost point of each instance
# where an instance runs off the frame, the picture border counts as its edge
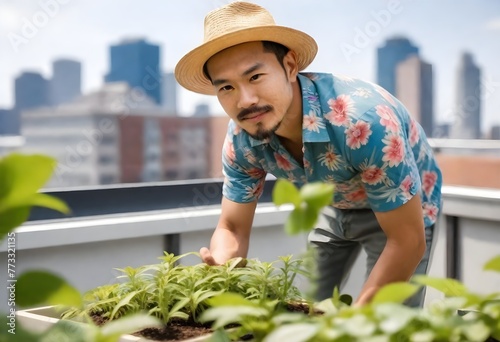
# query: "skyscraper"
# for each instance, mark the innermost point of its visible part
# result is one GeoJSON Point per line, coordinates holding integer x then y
{"type": "Point", "coordinates": [137, 63]}
{"type": "Point", "coordinates": [169, 93]}
{"type": "Point", "coordinates": [9, 122]}
{"type": "Point", "coordinates": [394, 51]}
{"type": "Point", "coordinates": [495, 132]}
{"type": "Point", "coordinates": [65, 84]}
{"type": "Point", "coordinates": [414, 87]}
{"type": "Point", "coordinates": [31, 91]}
{"type": "Point", "coordinates": [467, 123]}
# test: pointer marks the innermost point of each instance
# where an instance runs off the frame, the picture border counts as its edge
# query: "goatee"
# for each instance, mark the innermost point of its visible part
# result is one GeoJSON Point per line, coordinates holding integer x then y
{"type": "Point", "coordinates": [263, 134]}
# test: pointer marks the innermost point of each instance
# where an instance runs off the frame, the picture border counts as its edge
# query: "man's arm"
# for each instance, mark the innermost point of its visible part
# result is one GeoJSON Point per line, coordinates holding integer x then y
{"type": "Point", "coordinates": [231, 237]}
{"type": "Point", "coordinates": [405, 247]}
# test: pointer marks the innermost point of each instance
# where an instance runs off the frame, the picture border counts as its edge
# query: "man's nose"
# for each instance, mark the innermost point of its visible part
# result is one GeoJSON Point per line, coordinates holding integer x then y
{"type": "Point", "coordinates": [247, 98]}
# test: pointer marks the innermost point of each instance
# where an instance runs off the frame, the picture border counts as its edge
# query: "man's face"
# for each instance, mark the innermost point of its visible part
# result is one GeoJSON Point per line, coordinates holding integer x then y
{"type": "Point", "coordinates": [252, 86]}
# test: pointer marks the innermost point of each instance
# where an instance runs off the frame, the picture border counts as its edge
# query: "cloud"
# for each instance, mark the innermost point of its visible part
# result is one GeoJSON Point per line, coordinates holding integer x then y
{"type": "Point", "coordinates": [493, 25]}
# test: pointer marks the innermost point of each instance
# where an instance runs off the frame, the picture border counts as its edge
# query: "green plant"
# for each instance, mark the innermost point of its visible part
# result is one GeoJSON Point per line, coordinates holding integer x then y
{"type": "Point", "coordinates": [172, 291]}
{"type": "Point", "coordinates": [460, 316]}
{"type": "Point", "coordinates": [21, 177]}
{"type": "Point", "coordinates": [253, 316]}
{"type": "Point", "coordinates": [384, 319]}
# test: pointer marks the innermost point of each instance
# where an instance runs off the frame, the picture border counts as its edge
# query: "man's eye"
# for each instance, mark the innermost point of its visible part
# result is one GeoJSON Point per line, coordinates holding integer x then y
{"type": "Point", "coordinates": [255, 77]}
{"type": "Point", "coordinates": [226, 88]}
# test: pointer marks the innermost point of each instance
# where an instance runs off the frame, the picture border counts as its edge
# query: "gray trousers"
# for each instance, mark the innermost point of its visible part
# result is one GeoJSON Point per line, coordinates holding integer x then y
{"type": "Point", "coordinates": [338, 239]}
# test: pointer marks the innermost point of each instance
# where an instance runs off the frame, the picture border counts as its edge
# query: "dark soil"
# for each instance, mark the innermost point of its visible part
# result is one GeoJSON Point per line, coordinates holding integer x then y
{"type": "Point", "coordinates": [175, 331]}
{"type": "Point", "coordinates": [180, 330]}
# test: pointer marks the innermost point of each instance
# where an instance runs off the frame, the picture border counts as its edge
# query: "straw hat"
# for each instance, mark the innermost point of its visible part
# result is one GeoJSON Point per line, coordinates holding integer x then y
{"type": "Point", "coordinates": [233, 24]}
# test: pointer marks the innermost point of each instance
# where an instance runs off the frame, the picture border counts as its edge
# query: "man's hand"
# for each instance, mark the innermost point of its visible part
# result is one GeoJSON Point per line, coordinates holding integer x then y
{"type": "Point", "coordinates": [209, 259]}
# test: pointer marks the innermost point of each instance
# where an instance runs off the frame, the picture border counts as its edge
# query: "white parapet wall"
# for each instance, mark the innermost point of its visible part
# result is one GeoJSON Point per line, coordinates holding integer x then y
{"type": "Point", "coordinates": [86, 252]}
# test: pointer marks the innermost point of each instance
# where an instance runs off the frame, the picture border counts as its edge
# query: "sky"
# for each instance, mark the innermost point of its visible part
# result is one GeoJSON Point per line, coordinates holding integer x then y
{"type": "Point", "coordinates": [34, 33]}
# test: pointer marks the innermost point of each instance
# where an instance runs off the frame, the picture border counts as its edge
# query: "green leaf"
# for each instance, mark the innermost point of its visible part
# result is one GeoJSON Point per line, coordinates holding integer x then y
{"type": "Point", "coordinates": [129, 324]}
{"type": "Point", "coordinates": [317, 194]}
{"type": "Point", "coordinates": [15, 216]}
{"type": "Point", "coordinates": [230, 299]}
{"type": "Point", "coordinates": [12, 218]}
{"type": "Point", "coordinates": [338, 300]}
{"type": "Point", "coordinates": [69, 331]}
{"type": "Point", "coordinates": [493, 264]}
{"type": "Point", "coordinates": [477, 331]}
{"type": "Point", "coordinates": [336, 296]}
{"type": "Point", "coordinates": [359, 326]}
{"type": "Point", "coordinates": [297, 332]}
{"type": "Point", "coordinates": [346, 299]}
{"type": "Point", "coordinates": [450, 287]}
{"type": "Point", "coordinates": [287, 317]}
{"type": "Point", "coordinates": [39, 287]}
{"type": "Point", "coordinates": [236, 262]}
{"type": "Point", "coordinates": [472, 299]}
{"type": "Point", "coordinates": [21, 176]}
{"type": "Point", "coordinates": [51, 202]}
{"type": "Point", "coordinates": [220, 335]}
{"type": "Point", "coordinates": [423, 336]}
{"type": "Point", "coordinates": [224, 315]}
{"type": "Point", "coordinates": [328, 305]}
{"type": "Point", "coordinates": [181, 303]}
{"type": "Point", "coordinates": [394, 317]}
{"type": "Point", "coordinates": [311, 214]}
{"type": "Point", "coordinates": [294, 223]}
{"type": "Point", "coordinates": [395, 293]}
{"type": "Point", "coordinates": [124, 301]}
{"type": "Point", "coordinates": [201, 296]}
{"type": "Point", "coordinates": [378, 338]}
{"type": "Point", "coordinates": [301, 219]}
{"type": "Point", "coordinates": [285, 192]}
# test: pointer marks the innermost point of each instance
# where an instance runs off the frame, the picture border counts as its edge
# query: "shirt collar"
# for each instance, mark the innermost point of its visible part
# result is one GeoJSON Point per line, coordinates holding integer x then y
{"type": "Point", "coordinates": [312, 111]}
{"type": "Point", "coordinates": [311, 106]}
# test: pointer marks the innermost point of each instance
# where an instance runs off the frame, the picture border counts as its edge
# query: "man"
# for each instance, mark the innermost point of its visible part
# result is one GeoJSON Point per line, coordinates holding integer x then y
{"type": "Point", "coordinates": [315, 127]}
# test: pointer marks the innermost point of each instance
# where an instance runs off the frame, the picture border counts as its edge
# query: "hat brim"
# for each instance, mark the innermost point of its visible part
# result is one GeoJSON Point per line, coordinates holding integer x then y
{"type": "Point", "coordinates": [189, 70]}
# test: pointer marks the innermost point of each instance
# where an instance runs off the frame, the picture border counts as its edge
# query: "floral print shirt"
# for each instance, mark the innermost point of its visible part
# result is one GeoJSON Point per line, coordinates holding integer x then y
{"type": "Point", "coordinates": [357, 136]}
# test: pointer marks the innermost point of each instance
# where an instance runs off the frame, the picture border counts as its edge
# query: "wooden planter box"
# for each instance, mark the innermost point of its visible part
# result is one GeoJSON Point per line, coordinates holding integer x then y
{"type": "Point", "coordinates": [40, 319]}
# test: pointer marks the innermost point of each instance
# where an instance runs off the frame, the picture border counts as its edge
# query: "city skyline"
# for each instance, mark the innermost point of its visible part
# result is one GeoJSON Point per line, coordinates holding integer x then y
{"type": "Point", "coordinates": [352, 52]}
{"type": "Point", "coordinates": [468, 120]}
{"type": "Point", "coordinates": [136, 62]}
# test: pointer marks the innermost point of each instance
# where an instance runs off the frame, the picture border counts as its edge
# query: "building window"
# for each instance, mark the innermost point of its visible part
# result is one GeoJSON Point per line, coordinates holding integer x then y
{"type": "Point", "coordinates": [194, 175]}
{"type": "Point", "coordinates": [171, 174]}
{"type": "Point", "coordinates": [104, 159]}
{"type": "Point", "coordinates": [108, 140]}
{"type": "Point", "coordinates": [106, 179]}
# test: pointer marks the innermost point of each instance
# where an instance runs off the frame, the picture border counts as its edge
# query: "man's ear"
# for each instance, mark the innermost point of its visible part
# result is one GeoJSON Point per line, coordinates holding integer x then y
{"type": "Point", "coordinates": [291, 66]}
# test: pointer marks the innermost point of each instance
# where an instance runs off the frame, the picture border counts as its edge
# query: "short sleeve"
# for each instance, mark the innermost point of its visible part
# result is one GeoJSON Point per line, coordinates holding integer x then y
{"type": "Point", "coordinates": [379, 149]}
{"type": "Point", "coordinates": [243, 178]}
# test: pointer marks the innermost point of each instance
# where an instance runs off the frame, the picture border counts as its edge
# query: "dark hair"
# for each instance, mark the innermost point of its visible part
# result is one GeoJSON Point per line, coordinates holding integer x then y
{"type": "Point", "coordinates": [278, 49]}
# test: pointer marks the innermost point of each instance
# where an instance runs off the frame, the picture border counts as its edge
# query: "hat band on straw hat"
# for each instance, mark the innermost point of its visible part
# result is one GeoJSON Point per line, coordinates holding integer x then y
{"type": "Point", "coordinates": [237, 23]}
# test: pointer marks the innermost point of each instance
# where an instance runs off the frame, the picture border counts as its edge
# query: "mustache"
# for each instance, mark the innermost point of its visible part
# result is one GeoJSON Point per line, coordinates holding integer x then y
{"type": "Point", "coordinates": [251, 110]}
